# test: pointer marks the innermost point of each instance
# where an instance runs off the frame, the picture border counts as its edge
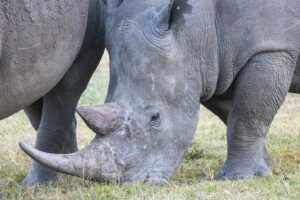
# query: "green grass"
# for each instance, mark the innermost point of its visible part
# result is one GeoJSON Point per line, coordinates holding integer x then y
{"type": "Point", "coordinates": [194, 177]}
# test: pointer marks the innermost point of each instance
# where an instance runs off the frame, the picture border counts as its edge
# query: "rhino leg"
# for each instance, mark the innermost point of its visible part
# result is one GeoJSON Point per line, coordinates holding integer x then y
{"type": "Point", "coordinates": [221, 107]}
{"type": "Point", "coordinates": [260, 90]}
{"type": "Point", "coordinates": [56, 130]}
{"type": "Point", "coordinates": [54, 115]}
{"type": "Point", "coordinates": [34, 113]}
{"type": "Point", "coordinates": [38, 173]}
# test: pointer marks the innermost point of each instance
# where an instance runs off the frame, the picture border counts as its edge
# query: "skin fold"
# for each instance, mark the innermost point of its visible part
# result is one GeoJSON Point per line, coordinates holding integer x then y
{"type": "Point", "coordinates": [238, 58]}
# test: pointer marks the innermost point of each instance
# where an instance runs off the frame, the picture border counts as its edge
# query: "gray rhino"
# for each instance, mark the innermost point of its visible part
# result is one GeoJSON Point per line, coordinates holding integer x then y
{"type": "Point", "coordinates": [48, 52]}
{"type": "Point", "coordinates": [239, 58]}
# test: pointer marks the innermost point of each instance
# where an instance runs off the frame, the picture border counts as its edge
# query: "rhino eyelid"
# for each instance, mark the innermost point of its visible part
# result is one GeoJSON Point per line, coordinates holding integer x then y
{"type": "Point", "coordinates": [155, 117]}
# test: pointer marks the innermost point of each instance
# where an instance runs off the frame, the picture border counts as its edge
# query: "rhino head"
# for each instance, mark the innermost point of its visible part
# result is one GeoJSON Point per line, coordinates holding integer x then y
{"type": "Point", "coordinates": [151, 109]}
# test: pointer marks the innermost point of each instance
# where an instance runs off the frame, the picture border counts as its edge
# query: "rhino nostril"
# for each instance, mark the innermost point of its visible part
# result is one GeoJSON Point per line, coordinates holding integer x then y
{"type": "Point", "coordinates": [128, 130]}
{"type": "Point", "coordinates": [147, 178]}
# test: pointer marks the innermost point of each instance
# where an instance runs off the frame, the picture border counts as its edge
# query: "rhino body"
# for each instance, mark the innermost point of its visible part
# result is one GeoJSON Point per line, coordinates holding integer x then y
{"type": "Point", "coordinates": [48, 52]}
{"type": "Point", "coordinates": [39, 42]}
{"type": "Point", "coordinates": [239, 58]}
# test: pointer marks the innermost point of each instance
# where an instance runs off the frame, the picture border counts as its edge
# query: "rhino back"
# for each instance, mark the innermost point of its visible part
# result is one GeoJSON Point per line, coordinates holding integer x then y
{"type": "Point", "coordinates": [39, 41]}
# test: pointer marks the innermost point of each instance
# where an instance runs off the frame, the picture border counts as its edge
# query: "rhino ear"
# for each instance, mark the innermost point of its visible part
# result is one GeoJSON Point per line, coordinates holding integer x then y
{"type": "Point", "coordinates": [172, 14]}
{"type": "Point", "coordinates": [163, 16]}
{"type": "Point", "coordinates": [113, 3]}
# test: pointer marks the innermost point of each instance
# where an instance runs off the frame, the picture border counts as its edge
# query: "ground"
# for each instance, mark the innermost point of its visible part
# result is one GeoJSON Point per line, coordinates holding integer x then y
{"type": "Point", "coordinates": [193, 179]}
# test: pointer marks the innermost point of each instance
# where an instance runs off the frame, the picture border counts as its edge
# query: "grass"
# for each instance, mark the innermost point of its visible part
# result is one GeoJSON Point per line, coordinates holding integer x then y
{"type": "Point", "coordinates": [194, 177]}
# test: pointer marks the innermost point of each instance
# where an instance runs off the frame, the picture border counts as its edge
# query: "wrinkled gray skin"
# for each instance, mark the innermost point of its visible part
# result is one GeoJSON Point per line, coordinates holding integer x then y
{"type": "Point", "coordinates": [236, 57]}
{"type": "Point", "coordinates": [48, 52]}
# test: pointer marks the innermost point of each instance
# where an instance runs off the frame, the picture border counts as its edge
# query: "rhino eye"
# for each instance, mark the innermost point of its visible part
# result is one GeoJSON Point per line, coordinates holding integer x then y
{"type": "Point", "coordinates": [155, 117]}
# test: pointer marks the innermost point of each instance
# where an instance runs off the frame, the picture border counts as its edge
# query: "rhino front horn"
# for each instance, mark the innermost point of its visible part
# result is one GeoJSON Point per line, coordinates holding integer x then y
{"type": "Point", "coordinates": [103, 119]}
{"type": "Point", "coordinates": [95, 162]}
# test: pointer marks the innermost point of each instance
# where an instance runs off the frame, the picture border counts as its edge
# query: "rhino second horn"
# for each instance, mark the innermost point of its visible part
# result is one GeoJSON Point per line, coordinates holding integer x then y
{"type": "Point", "coordinates": [84, 163]}
{"type": "Point", "coordinates": [103, 119]}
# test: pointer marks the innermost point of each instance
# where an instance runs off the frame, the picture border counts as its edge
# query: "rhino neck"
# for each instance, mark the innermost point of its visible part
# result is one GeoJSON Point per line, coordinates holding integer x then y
{"type": "Point", "coordinates": [200, 48]}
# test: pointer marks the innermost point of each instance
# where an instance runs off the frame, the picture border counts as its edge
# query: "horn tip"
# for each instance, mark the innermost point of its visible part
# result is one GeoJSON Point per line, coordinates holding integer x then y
{"type": "Point", "coordinates": [82, 110]}
{"type": "Point", "coordinates": [79, 109]}
{"type": "Point", "coordinates": [23, 146]}
{"type": "Point", "coordinates": [26, 148]}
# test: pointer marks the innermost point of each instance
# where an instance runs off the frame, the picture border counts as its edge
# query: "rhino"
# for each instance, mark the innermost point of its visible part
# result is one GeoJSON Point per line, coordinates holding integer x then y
{"type": "Point", "coordinates": [48, 52]}
{"type": "Point", "coordinates": [238, 58]}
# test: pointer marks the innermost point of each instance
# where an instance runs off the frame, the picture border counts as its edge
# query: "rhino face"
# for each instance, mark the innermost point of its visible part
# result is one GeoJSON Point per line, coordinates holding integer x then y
{"type": "Point", "coordinates": [152, 104]}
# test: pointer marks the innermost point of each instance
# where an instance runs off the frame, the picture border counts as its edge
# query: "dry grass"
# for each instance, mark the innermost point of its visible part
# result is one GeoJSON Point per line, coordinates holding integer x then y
{"type": "Point", "coordinates": [194, 178]}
